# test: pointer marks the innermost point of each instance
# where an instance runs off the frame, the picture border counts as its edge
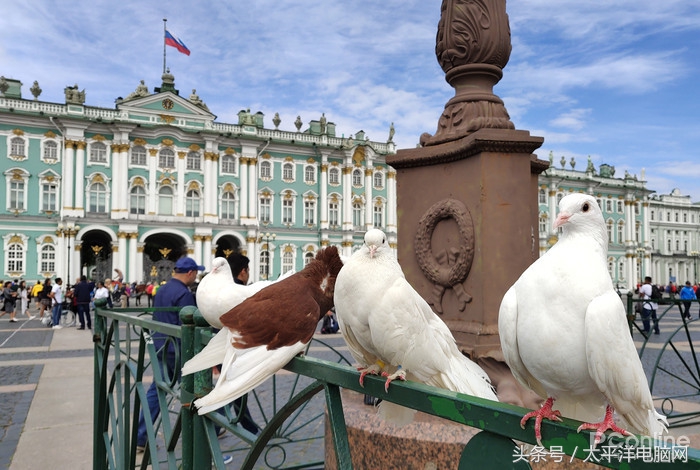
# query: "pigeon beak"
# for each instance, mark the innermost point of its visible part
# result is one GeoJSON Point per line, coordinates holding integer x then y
{"type": "Point", "coordinates": [561, 219]}
{"type": "Point", "coordinates": [372, 250]}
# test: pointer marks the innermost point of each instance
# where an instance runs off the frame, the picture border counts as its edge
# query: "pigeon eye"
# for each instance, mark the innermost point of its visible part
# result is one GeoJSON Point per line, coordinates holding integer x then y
{"type": "Point", "coordinates": [586, 207]}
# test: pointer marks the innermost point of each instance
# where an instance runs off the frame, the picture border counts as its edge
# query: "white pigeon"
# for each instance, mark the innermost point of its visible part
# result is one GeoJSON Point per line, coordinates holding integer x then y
{"type": "Point", "coordinates": [390, 329]}
{"type": "Point", "coordinates": [217, 292]}
{"type": "Point", "coordinates": [564, 332]}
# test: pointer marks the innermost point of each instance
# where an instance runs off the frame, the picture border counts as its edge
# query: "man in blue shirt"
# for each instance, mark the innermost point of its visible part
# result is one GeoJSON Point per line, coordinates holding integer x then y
{"type": "Point", "coordinates": [83, 295]}
{"type": "Point", "coordinates": [175, 293]}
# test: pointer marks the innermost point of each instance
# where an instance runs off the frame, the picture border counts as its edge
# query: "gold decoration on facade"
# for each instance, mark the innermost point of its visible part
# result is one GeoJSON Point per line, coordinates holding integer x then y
{"type": "Point", "coordinates": [288, 249]}
{"type": "Point", "coordinates": [251, 239]}
{"type": "Point", "coordinates": [154, 271]}
{"type": "Point", "coordinates": [165, 181]}
{"type": "Point", "coordinates": [310, 160]}
{"type": "Point", "coordinates": [116, 148]}
{"type": "Point", "coordinates": [346, 244]}
{"type": "Point", "coordinates": [165, 252]}
{"type": "Point", "coordinates": [390, 175]}
{"type": "Point", "coordinates": [334, 199]}
{"type": "Point", "coordinates": [324, 168]}
{"type": "Point", "coordinates": [195, 148]}
{"type": "Point", "coordinates": [48, 239]}
{"type": "Point", "coordinates": [266, 193]}
{"type": "Point", "coordinates": [310, 248]}
{"type": "Point", "coordinates": [368, 172]}
{"type": "Point", "coordinates": [98, 137]}
{"type": "Point", "coordinates": [288, 159]}
{"type": "Point", "coordinates": [139, 141]}
{"type": "Point", "coordinates": [213, 156]}
{"type": "Point", "coordinates": [266, 156]}
{"type": "Point", "coordinates": [96, 249]}
{"type": "Point", "coordinates": [167, 142]}
{"type": "Point", "coordinates": [138, 181]}
{"type": "Point", "coordinates": [16, 239]}
{"type": "Point", "coordinates": [153, 152]}
{"type": "Point", "coordinates": [50, 135]}
{"type": "Point", "coordinates": [227, 252]}
{"type": "Point", "coordinates": [194, 185]}
{"type": "Point", "coordinates": [98, 178]}
{"type": "Point", "coordinates": [166, 118]}
{"type": "Point", "coordinates": [323, 243]}
{"type": "Point", "coordinates": [252, 161]}
{"type": "Point", "coordinates": [310, 197]}
{"type": "Point", "coordinates": [181, 155]}
{"type": "Point", "coordinates": [347, 170]}
{"type": "Point", "coordinates": [229, 151]}
{"type": "Point", "coordinates": [17, 174]}
{"type": "Point", "coordinates": [229, 187]}
{"type": "Point", "coordinates": [17, 131]}
{"type": "Point", "coordinates": [288, 194]}
{"type": "Point", "coordinates": [358, 155]}
{"type": "Point", "coordinates": [80, 145]}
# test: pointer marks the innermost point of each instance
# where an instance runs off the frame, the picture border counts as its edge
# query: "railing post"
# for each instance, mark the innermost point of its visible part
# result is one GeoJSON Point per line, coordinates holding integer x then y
{"type": "Point", "coordinates": [99, 454]}
{"type": "Point", "coordinates": [630, 312]}
{"type": "Point", "coordinates": [187, 387]}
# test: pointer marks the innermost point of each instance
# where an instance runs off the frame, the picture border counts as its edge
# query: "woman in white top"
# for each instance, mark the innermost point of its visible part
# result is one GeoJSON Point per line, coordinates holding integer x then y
{"type": "Point", "coordinates": [24, 300]}
{"type": "Point", "coordinates": [101, 292]}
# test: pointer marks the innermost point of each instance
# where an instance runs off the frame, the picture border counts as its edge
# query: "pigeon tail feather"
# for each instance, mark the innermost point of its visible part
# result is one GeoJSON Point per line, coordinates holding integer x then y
{"type": "Point", "coordinates": [208, 357]}
{"type": "Point", "coordinates": [251, 368]}
{"type": "Point", "coordinates": [465, 376]}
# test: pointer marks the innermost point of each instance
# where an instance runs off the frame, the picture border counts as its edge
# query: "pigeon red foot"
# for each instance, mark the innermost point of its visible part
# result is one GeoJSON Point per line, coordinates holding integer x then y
{"type": "Point", "coordinates": [399, 374]}
{"type": "Point", "coordinates": [374, 369]}
{"type": "Point", "coordinates": [545, 412]}
{"type": "Point", "coordinates": [608, 423]}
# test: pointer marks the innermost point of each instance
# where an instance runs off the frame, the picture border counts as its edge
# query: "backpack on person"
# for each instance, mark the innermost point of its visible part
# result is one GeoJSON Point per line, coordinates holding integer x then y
{"type": "Point", "coordinates": [655, 292]}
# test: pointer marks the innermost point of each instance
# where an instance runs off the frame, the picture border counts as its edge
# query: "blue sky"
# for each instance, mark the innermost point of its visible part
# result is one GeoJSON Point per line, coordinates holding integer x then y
{"type": "Point", "coordinates": [614, 80]}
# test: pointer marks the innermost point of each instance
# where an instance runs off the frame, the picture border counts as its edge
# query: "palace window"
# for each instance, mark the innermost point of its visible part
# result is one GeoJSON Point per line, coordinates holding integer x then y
{"type": "Point", "coordinates": [308, 257]}
{"type": "Point", "coordinates": [165, 201]}
{"type": "Point", "coordinates": [137, 200]}
{"type": "Point", "coordinates": [357, 221]}
{"type": "Point", "coordinates": [287, 261]}
{"type": "Point", "coordinates": [334, 176]}
{"type": "Point", "coordinates": [50, 151]}
{"type": "Point", "coordinates": [97, 197]}
{"type": "Point", "coordinates": [266, 170]}
{"type": "Point", "coordinates": [378, 216]}
{"type": "Point", "coordinates": [17, 147]}
{"type": "Point", "coordinates": [98, 152]}
{"type": "Point", "coordinates": [310, 174]}
{"type": "Point", "coordinates": [192, 201]}
{"type": "Point", "coordinates": [378, 180]}
{"type": "Point", "coordinates": [309, 212]}
{"type": "Point", "coordinates": [264, 264]}
{"type": "Point", "coordinates": [166, 159]}
{"type": "Point", "coordinates": [228, 164]}
{"type": "Point", "coordinates": [357, 177]}
{"type": "Point", "coordinates": [542, 196]}
{"type": "Point", "coordinates": [194, 161]}
{"type": "Point", "coordinates": [333, 214]}
{"type": "Point", "coordinates": [265, 209]}
{"type": "Point", "coordinates": [48, 259]}
{"type": "Point", "coordinates": [17, 194]}
{"type": "Point", "coordinates": [228, 205]}
{"type": "Point", "coordinates": [49, 197]}
{"type": "Point", "coordinates": [15, 258]}
{"type": "Point", "coordinates": [287, 211]}
{"type": "Point", "coordinates": [288, 172]}
{"type": "Point", "coordinates": [138, 155]}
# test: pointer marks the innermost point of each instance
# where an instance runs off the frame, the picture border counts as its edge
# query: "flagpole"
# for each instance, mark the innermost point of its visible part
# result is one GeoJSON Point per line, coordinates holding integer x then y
{"type": "Point", "coordinates": [164, 30]}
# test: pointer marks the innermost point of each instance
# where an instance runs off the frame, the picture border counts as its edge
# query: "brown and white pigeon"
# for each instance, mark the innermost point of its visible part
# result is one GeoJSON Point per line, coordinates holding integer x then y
{"type": "Point", "coordinates": [217, 292]}
{"type": "Point", "coordinates": [390, 329]}
{"type": "Point", "coordinates": [267, 330]}
{"type": "Point", "coordinates": [564, 331]}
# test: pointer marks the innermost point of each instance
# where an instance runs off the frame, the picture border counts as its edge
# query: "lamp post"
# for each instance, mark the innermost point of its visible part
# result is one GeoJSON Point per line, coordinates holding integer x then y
{"type": "Point", "coordinates": [266, 238]}
{"type": "Point", "coordinates": [640, 257]}
{"type": "Point", "coordinates": [67, 231]}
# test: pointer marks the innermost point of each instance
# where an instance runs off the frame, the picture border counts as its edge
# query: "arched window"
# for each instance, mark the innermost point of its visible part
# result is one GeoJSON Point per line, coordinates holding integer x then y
{"type": "Point", "coordinates": [138, 155]}
{"type": "Point", "coordinates": [228, 164]}
{"type": "Point", "coordinates": [228, 205]}
{"type": "Point", "coordinates": [378, 215]}
{"type": "Point", "coordinates": [357, 177]}
{"type": "Point", "coordinates": [192, 200]}
{"type": "Point", "coordinates": [165, 201]}
{"type": "Point", "coordinates": [49, 196]}
{"type": "Point", "coordinates": [620, 232]}
{"type": "Point", "coordinates": [17, 194]}
{"type": "Point", "coordinates": [357, 221]}
{"type": "Point", "coordinates": [97, 195]}
{"type": "Point", "coordinates": [264, 264]}
{"type": "Point", "coordinates": [265, 208]}
{"type": "Point", "coordinates": [288, 172]}
{"type": "Point", "coordinates": [333, 214]}
{"type": "Point", "coordinates": [309, 212]}
{"type": "Point", "coordinates": [334, 176]}
{"type": "Point", "coordinates": [50, 150]}
{"type": "Point", "coordinates": [15, 258]}
{"type": "Point", "coordinates": [265, 170]}
{"type": "Point", "coordinates": [98, 152]}
{"type": "Point", "coordinates": [287, 261]}
{"type": "Point", "coordinates": [17, 148]}
{"type": "Point", "coordinates": [308, 257]}
{"type": "Point", "coordinates": [48, 259]}
{"type": "Point", "coordinates": [137, 200]}
{"type": "Point", "coordinates": [542, 196]}
{"type": "Point", "coordinates": [194, 161]}
{"type": "Point", "coordinates": [166, 158]}
{"type": "Point", "coordinates": [309, 174]}
{"type": "Point", "coordinates": [378, 180]}
{"type": "Point", "coordinates": [288, 211]}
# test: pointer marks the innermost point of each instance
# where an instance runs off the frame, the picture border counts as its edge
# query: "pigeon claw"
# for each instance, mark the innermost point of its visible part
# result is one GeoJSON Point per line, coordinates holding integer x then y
{"type": "Point", "coordinates": [608, 423]}
{"type": "Point", "coordinates": [400, 374]}
{"type": "Point", "coordinates": [374, 369]}
{"type": "Point", "coordinates": [545, 412]}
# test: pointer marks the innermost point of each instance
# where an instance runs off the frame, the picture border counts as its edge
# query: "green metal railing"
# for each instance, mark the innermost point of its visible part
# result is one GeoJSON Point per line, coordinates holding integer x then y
{"type": "Point", "coordinates": [183, 439]}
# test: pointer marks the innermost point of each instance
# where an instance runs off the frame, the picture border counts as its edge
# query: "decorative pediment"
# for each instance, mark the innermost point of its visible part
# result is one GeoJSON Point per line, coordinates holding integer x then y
{"type": "Point", "coordinates": [164, 104]}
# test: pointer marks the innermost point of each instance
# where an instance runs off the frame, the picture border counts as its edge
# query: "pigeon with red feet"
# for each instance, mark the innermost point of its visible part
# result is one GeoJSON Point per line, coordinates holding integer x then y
{"type": "Point", "coordinates": [564, 332]}
{"type": "Point", "coordinates": [391, 330]}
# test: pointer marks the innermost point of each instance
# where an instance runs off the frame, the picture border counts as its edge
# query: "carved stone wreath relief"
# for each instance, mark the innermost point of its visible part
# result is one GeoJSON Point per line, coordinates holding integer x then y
{"type": "Point", "coordinates": [448, 269]}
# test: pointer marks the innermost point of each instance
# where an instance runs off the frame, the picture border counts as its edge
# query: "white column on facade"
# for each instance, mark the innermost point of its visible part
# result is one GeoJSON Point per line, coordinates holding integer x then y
{"type": "Point", "coordinates": [209, 190]}
{"type": "Point", "coordinates": [347, 197]}
{"type": "Point", "coordinates": [206, 252]}
{"type": "Point", "coordinates": [323, 201]}
{"type": "Point", "coordinates": [118, 185]}
{"type": "Point", "coordinates": [139, 276]}
{"type": "Point", "coordinates": [133, 274]}
{"type": "Point", "coordinates": [69, 165]}
{"type": "Point", "coordinates": [243, 190]}
{"type": "Point", "coordinates": [152, 182]}
{"type": "Point", "coordinates": [198, 255]}
{"type": "Point", "coordinates": [79, 183]}
{"type": "Point", "coordinates": [122, 252]}
{"type": "Point", "coordinates": [179, 202]}
{"type": "Point", "coordinates": [552, 206]}
{"type": "Point", "coordinates": [391, 222]}
{"type": "Point", "coordinates": [252, 189]}
{"type": "Point", "coordinates": [369, 202]}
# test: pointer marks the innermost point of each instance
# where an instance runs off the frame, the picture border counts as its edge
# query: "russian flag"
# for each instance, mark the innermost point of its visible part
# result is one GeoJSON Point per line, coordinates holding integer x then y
{"type": "Point", "coordinates": [172, 41]}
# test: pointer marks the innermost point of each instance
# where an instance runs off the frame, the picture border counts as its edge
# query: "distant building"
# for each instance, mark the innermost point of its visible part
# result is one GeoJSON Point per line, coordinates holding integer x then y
{"type": "Point", "coordinates": [89, 190]}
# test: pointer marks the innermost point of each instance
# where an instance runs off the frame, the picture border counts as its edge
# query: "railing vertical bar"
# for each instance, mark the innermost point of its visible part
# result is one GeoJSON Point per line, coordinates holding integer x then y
{"type": "Point", "coordinates": [339, 431]}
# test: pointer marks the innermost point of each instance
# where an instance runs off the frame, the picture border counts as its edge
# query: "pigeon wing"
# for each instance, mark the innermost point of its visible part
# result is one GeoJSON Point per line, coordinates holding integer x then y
{"type": "Point", "coordinates": [615, 366]}
{"type": "Point", "coordinates": [507, 329]}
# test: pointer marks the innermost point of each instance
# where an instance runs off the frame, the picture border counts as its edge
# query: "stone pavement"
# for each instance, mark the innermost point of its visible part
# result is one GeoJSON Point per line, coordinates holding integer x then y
{"type": "Point", "coordinates": [46, 382]}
